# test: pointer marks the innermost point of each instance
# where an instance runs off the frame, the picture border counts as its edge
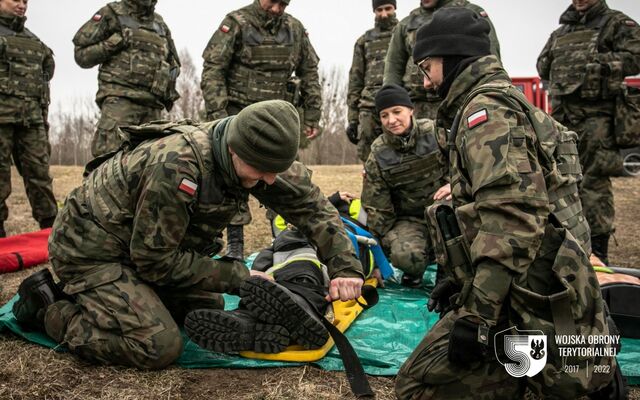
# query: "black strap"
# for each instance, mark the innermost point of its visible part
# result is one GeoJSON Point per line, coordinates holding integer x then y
{"type": "Point", "coordinates": [20, 261]}
{"type": "Point", "coordinates": [358, 380]}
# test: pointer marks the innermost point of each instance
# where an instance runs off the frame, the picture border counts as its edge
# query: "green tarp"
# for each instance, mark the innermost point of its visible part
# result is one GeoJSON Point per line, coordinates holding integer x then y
{"type": "Point", "coordinates": [383, 336]}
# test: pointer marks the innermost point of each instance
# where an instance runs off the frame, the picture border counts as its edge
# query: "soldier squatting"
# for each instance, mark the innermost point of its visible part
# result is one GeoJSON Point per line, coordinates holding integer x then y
{"type": "Point", "coordinates": [459, 169]}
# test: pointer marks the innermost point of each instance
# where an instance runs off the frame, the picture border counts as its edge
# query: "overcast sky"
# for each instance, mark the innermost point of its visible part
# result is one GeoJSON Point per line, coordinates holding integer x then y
{"type": "Point", "coordinates": [523, 27]}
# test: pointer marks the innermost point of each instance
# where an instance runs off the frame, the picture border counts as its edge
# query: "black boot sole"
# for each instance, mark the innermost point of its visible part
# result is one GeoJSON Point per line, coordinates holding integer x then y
{"type": "Point", "coordinates": [226, 332]}
{"type": "Point", "coordinates": [275, 304]}
{"type": "Point", "coordinates": [26, 290]}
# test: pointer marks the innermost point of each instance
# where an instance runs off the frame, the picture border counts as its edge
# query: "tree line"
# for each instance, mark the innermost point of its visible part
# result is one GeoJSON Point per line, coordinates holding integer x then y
{"type": "Point", "coordinates": [72, 129]}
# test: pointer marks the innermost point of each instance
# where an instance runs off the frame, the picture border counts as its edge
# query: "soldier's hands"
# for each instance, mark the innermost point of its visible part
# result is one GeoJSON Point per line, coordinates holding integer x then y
{"type": "Point", "coordinates": [443, 193]}
{"type": "Point", "coordinates": [443, 295]}
{"type": "Point", "coordinates": [345, 289]}
{"type": "Point", "coordinates": [311, 132]}
{"type": "Point", "coordinates": [352, 132]}
{"type": "Point", "coordinates": [260, 274]}
{"type": "Point", "coordinates": [346, 196]}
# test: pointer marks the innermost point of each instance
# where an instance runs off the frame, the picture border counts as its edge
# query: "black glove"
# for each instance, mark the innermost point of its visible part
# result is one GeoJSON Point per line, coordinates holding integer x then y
{"type": "Point", "coordinates": [444, 294]}
{"type": "Point", "coordinates": [352, 132]}
{"type": "Point", "coordinates": [468, 342]}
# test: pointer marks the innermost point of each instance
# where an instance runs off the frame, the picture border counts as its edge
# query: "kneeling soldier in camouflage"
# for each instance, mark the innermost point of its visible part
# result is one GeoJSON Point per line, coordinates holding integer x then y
{"type": "Point", "coordinates": [516, 243]}
{"type": "Point", "coordinates": [404, 170]}
{"type": "Point", "coordinates": [133, 245]}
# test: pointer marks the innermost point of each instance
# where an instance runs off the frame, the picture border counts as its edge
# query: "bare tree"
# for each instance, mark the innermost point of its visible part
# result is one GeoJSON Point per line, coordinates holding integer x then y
{"type": "Point", "coordinates": [190, 104]}
{"type": "Point", "coordinates": [332, 146]}
{"type": "Point", "coordinates": [71, 132]}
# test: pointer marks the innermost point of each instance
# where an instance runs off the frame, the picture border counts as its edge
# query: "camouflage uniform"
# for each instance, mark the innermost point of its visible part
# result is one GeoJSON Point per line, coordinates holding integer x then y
{"type": "Point", "coordinates": [133, 244]}
{"type": "Point", "coordinates": [585, 62]}
{"type": "Point", "coordinates": [514, 194]}
{"type": "Point", "coordinates": [399, 66]}
{"type": "Point", "coordinates": [139, 66]}
{"type": "Point", "coordinates": [24, 102]}
{"type": "Point", "coordinates": [365, 78]}
{"type": "Point", "coordinates": [402, 174]}
{"type": "Point", "coordinates": [253, 57]}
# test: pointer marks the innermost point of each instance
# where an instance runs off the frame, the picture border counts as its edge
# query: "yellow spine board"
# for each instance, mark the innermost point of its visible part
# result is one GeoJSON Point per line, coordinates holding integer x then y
{"type": "Point", "coordinates": [345, 313]}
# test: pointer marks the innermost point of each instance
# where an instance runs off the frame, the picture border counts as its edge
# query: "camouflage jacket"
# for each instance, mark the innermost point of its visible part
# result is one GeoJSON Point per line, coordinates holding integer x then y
{"type": "Point", "coordinates": [399, 65]}
{"type": "Point", "coordinates": [137, 57]}
{"type": "Point", "coordinates": [161, 209]}
{"type": "Point", "coordinates": [586, 60]}
{"type": "Point", "coordinates": [402, 174]}
{"type": "Point", "coordinates": [25, 75]}
{"type": "Point", "coordinates": [498, 187]}
{"type": "Point", "coordinates": [367, 68]}
{"type": "Point", "coordinates": [252, 57]}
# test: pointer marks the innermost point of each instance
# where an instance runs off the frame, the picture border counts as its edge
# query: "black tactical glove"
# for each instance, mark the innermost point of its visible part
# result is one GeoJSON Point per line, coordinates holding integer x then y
{"type": "Point", "coordinates": [468, 342]}
{"type": "Point", "coordinates": [444, 294]}
{"type": "Point", "coordinates": [352, 132]}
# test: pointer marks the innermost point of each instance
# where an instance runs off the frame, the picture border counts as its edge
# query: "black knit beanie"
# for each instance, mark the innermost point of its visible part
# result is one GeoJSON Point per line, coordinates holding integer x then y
{"type": "Point", "coordinates": [453, 31]}
{"type": "Point", "coordinates": [392, 95]}
{"type": "Point", "coordinates": [378, 3]}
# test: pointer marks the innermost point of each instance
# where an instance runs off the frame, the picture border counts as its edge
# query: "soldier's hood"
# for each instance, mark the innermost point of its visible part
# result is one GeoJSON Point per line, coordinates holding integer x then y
{"type": "Point", "coordinates": [142, 8]}
{"type": "Point", "coordinates": [402, 143]}
{"type": "Point", "coordinates": [572, 17]}
{"type": "Point", "coordinates": [13, 22]}
{"type": "Point", "coordinates": [484, 69]}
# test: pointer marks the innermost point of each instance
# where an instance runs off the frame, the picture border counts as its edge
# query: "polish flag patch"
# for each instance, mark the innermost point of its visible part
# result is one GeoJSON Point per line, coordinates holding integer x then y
{"type": "Point", "coordinates": [97, 17]}
{"type": "Point", "coordinates": [484, 14]}
{"type": "Point", "coordinates": [224, 28]}
{"type": "Point", "coordinates": [188, 187]}
{"type": "Point", "coordinates": [630, 22]}
{"type": "Point", "coordinates": [477, 118]}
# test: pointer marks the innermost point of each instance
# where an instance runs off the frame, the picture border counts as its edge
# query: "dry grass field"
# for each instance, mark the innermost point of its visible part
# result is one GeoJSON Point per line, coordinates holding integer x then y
{"type": "Point", "coordinates": [31, 372]}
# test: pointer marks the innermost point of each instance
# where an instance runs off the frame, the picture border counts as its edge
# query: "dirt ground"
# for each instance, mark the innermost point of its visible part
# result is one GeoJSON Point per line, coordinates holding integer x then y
{"type": "Point", "coordinates": [31, 372]}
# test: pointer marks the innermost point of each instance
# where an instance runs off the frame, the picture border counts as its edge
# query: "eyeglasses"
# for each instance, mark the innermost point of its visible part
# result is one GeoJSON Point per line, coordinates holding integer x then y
{"type": "Point", "coordinates": [422, 69]}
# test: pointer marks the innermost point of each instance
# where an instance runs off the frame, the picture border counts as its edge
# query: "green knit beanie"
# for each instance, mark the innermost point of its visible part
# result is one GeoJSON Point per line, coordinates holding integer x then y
{"type": "Point", "coordinates": [265, 135]}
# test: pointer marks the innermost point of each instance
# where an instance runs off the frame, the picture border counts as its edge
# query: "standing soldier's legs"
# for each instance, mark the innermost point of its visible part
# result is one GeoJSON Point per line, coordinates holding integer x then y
{"type": "Point", "coordinates": [6, 146]}
{"type": "Point", "coordinates": [428, 374]}
{"type": "Point", "coordinates": [34, 150]}
{"type": "Point", "coordinates": [407, 245]}
{"type": "Point", "coordinates": [425, 109]}
{"type": "Point", "coordinates": [116, 319]}
{"type": "Point", "coordinates": [114, 112]}
{"type": "Point", "coordinates": [369, 129]}
{"type": "Point", "coordinates": [600, 160]}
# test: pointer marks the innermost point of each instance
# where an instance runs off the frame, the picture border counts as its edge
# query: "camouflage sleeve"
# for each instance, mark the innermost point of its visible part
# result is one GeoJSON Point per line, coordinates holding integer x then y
{"type": "Point", "coordinates": [217, 57]}
{"type": "Point", "coordinates": [174, 57]}
{"type": "Point", "coordinates": [622, 36]}
{"type": "Point", "coordinates": [163, 213]}
{"type": "Point", "coordinates": [310, 91]}
{"type": "Point", "coordinates": [301, 203]}
{"type": "Point", "coordinates": [98, 39]}
{"type": "Point", "coordinates": [356, 80]}
{"type": "Point", "coordinates": [376, 199]}
{"type": "Point", "coordinates": [510, 199]}
{"type": "Point", "coordinates": [395, 62]}
{"type": "Point", "coordinates": [544, 59]}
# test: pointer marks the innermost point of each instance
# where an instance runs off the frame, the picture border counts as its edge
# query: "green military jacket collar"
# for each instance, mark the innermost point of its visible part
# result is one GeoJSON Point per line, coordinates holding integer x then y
{"type": "Point", "coordinates": [13, 22]}
{"type": "Point", "coordinates": [485, 69]}
{"type": "Point", "coordinates": [573, 17]}
{"type": "Point", "coordinates": [404, 142]}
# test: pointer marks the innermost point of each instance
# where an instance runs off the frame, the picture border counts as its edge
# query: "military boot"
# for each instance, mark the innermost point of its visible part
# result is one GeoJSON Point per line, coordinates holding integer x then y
{"type": "Point", "coordinates": [37, 292]}
{"type": "Point", "coordinates": [272, 302]}
{"type": "Point", "coordinates": [3, 233]}
{"type": "Point", "coordinates": [600, 247]}
{"type": "Point", "coordinates": [234, 331]}
{"type": "Point", "coordinates": [47, 222]}
{"type": "Point", "coordinates": [235, 242]}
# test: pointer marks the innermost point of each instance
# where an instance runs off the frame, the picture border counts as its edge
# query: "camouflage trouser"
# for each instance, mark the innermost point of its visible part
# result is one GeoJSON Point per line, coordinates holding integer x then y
{"type": "Point", "coordinates": [600, 159]}
{"type": "Point", "coordinates": [368, 130]}
{"type": "Point", "coordinates": [407, 245]}
{"type": "Point", "coordinates": [428, 374]}
{"type": "Point", "coordinates": [425, 109]}
{"type": "Point", "coordinates": [119, 319]}
{"type": "Point", "coordinates": [32, 149]}
{"type": "Point", "coordinates": [114, 112]}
